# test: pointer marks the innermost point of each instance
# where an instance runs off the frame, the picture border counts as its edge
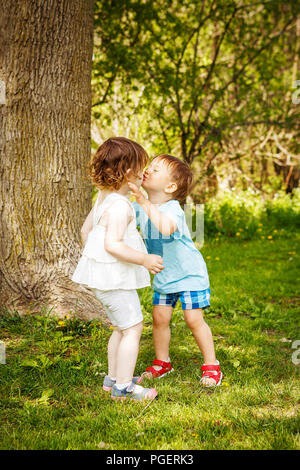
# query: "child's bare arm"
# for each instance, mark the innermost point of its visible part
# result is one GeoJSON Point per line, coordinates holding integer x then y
{"type": "Point", "coordinates": [165, 225]}
{"type": "Point", "coordinates": [87, 227]}
{"type": "Point", "coordinates": [117, 221]}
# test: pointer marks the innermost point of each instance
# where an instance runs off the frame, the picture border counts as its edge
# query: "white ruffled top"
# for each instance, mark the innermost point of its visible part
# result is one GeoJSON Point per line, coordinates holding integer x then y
{"type": "Point", "coordinates": [97, 268]}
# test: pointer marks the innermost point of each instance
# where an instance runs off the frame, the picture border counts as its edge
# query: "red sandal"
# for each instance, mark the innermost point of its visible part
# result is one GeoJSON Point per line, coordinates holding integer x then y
{"type": "Point", "coordinates": [151, 373]}
{"type": "Point", "coordinates": [209, 372]}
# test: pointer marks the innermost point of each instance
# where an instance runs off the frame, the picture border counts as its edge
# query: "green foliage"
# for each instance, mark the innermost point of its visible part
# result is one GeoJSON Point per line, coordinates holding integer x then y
{"type": "Point", "coordinates": [189, 77]}
{"type": "Point", "coordinates": [246, 215]}
{"type": "Point", "coordinates": [283, 211]}
{"type": "Point", "coordinates": [43, 363]}
{"type": "Point", "coordinates": [9, 317]}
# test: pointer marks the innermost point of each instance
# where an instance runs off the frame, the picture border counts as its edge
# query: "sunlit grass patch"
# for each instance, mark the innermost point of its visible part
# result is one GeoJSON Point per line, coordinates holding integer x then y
{"type": "Point", "coordinates": [51, 384]}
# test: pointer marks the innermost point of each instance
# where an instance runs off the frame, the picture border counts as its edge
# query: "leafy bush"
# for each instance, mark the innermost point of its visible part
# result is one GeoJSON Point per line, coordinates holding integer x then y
{"type": "Point", "coordinates": [283, 211]}
{"type": "Point", "coordinates": [247, 215]}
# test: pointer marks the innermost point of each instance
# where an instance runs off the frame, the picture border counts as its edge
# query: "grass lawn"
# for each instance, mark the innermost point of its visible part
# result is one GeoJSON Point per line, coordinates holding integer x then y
{"type": "Point", "coordinates": [50, 386]}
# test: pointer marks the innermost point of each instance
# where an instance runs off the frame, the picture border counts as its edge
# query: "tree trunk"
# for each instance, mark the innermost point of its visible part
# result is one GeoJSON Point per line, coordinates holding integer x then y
{"type": "Point", "coordinates": [46, 56]}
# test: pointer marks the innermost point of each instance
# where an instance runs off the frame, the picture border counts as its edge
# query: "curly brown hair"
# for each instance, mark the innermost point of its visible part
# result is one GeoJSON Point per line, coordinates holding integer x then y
{"type": "Point", "coordinates": [112, 160]}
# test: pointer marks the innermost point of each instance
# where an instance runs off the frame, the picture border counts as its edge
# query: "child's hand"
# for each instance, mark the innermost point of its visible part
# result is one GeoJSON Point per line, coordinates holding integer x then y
{"type": "Point", "coordinates": [140, 198]}
{"type": "Point", "coordinates": [153, 263]}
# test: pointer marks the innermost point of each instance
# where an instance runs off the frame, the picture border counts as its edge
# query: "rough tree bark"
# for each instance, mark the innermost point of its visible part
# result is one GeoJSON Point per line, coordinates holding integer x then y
{"type": "Point", "coordinates": [45, 63]}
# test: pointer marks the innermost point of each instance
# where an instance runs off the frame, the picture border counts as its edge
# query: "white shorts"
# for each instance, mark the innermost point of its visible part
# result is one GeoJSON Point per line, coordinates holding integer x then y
{"type": "Point", "coordinates": [122, 306]}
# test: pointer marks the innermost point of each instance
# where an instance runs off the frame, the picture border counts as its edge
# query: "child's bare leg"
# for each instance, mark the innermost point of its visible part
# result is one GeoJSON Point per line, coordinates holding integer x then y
{"type": "Point", "coordinates": [112, 351]}
{"type": "Point", "coordinates": [127, 353]}
{"type": "Point", "coordinates": [161, 332]}
{"type": "Point", "coordinates": [203, 336]}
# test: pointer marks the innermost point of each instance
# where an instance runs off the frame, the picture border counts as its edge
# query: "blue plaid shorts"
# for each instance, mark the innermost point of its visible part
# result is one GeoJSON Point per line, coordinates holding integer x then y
{"type": "Point", "coordinates": [189, 299]}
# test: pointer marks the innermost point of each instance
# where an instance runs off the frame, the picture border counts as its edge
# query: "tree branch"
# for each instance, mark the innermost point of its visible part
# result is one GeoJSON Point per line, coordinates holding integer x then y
{"type": "Point", "coordinates": [239, 72]}
{"type": "Point", "coordinates": [208, 77]}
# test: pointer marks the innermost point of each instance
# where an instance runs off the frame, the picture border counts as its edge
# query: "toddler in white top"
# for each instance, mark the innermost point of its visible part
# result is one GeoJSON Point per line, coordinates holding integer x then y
{"type": "Point", "coordinates": [115, 262]}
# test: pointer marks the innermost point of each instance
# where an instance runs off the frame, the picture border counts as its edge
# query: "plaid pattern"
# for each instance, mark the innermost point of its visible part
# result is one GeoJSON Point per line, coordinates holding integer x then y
{"type": "Point", "coordinates": [189, 299]}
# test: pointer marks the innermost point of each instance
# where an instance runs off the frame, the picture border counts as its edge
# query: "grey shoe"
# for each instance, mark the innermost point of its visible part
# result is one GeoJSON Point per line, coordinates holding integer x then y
{"type": "Point", "coordinates": [134, 392]}
{"type": "Point", "coordinates": [108, 383]}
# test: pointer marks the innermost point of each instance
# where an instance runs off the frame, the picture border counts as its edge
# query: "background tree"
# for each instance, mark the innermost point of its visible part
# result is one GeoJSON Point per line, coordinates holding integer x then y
{"type": "Point", "coordinates": [46, 56]}
{"type": "Point", "coordinates": [210, 72]}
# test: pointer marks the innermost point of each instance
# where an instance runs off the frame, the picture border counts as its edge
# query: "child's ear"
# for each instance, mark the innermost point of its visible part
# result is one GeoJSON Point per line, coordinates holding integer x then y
{"type": "Point", "coordinates": [128, 173]}
{"type": "Point", "coordinates": [171, 188]}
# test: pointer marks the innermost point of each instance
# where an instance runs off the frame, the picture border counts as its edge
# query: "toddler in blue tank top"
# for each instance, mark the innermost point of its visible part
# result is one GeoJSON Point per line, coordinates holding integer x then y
{"type": "Point", "coordinates": [167, 182]}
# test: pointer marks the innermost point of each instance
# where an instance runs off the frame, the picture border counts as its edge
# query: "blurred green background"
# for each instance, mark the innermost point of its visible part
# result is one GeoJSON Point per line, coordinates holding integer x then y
{"type": "Point", "coordinates": [215, 84]}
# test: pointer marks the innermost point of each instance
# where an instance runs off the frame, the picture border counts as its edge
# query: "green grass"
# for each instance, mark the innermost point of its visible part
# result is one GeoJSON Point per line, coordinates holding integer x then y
{"type": "Point", "coordinates": [50, 387]}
